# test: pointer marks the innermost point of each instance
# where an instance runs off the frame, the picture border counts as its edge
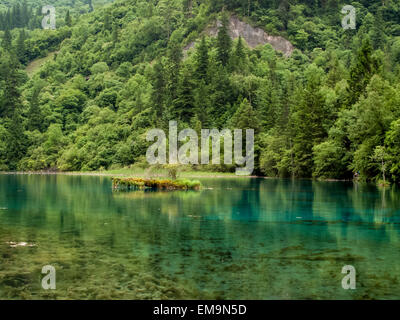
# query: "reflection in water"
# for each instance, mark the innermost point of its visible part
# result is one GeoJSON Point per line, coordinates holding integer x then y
{"type": "Point", "coordinates": [237, 239]}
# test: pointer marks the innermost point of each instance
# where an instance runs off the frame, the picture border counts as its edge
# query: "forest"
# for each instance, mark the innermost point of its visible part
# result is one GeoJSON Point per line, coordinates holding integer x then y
{"type": "Point", "coordinates": [330, 110]}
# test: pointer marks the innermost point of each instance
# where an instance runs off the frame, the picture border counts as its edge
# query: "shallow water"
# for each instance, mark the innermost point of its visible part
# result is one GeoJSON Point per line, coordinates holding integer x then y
{"type": "Point", "coordinates": [236, 239]}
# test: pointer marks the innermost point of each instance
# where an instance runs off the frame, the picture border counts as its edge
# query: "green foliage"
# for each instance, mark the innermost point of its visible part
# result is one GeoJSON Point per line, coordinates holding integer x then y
{"type": "Point", "coordinates": [329, 110]}
{"type": "Point", "coordinates": [224, 42]}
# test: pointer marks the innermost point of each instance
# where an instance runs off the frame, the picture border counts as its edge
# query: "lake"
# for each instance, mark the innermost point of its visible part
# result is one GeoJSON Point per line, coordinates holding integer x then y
{"type": "Point", "coordinates": [236, 239]}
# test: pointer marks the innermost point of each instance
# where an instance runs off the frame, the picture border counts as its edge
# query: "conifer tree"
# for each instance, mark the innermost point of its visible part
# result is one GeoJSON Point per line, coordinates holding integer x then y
{"type": "Point", "coordinates": [115, 33]}
{"type": "Point", "coordinates": [9, 73]}
{"type": "Point", "coordinates": [6, 41]}
{"type": "Point", "coordinates": [224, 42]}
{"type": "Point", "coordinates": [107, 21]}
{"type": "Point", "coordinates": [21, 51]}
{"type": "Point", "coordinates": [239, 57]}
{"type": "Point", "coordinates": [361, 73]}
{"type": "Point", "coordinates": [68, 20]}
{"type": "Point", "coordinates": [35, 118]}
{"type": "Point", "coordinates": [202, 60]}
{"type": "Point", "coordinates": [16, 139]}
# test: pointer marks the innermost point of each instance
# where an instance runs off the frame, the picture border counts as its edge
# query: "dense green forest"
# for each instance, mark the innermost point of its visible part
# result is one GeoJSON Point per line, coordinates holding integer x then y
{"type": "Point", "coordinates": [28, 13]}
{"type": "Point", "coordinates": [329, 110]}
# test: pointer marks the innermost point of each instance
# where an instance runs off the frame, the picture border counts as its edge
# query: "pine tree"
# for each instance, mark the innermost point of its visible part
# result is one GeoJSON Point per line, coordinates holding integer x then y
{"type": "Point", "coordinates": [174, 57]}
{"type": "Point", "coordinates": [187, 8]}
{"type": "Point", "coordinates": [202, 60]}
{"type": "Point", "coordinates": [7, 38]}
{"type": "Point", "coordinates": [115, 34]}
{"type": "Point", "coordinates": [21, 51]}
{"type": "Point", "coordinates": [107, 21]}
{"type": "Point", "coordinates": [68, 20]}
{"type": "Point", "coordinates": [35, 117]}
{"type": "Point", "coordinates": [16, 139]}
{"type": "Point", "coordinates": [158, 78]}
{"type": "Point", "coordinates": [239, 57]}
{"type": "Point", "coordinates": [224, 42]}
{"type": "Point", "coordinates": [246, 117]}
{"type": "Point", "coordinates": [378, 32]}
{"type": "Point", "coordinates": [11, 96]}
{"type": "Point", "coordinates": [184, 103]}
{"type": "Point", "coordinates": [361, 73]}
{"type": "Point", "coordinates": [308, 123]}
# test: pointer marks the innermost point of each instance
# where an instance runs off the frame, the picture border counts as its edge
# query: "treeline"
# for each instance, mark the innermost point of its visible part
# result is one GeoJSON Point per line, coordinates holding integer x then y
{"type": "Point", "coordinates": [18, 16]}
{"type": "Point", "coordinates": [330, 110]}
{"type": "Point", "coordinates": [29, 15]}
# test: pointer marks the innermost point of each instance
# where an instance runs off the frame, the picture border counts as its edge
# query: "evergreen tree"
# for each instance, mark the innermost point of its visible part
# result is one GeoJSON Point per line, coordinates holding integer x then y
{"type": "Point", "coordinates": [202, 60]}
{"type": "Point", "coordinates": [158, 79]}
{"type": "Point", "coordinates": [378, 31]}
{"type": "Point", "coordinates": [184, 104]}
{"type": "Point", "coordinates": [115, 33]}
{"type": "Point", "coordinates": [174, 59]}
{"type": "Point", "coordinates": [35, 117]}
{"type": "Point", "coordinates": [224, 42]}
{"type": "Point", "coordinates": [6, 41]}
{"type": "Point", "coordinates": [308, 123]}
{"type": "Point", "coordinates": [68, 20]}
{"type": "Point", "coordinates": [16, 139]}
{"type": "Point", "coordinates": [246, 117]}
{"type": "Point", "coordinates": [9, 73]}
{"type": "Point", "coordinates": [187, 8]}
{"type": "Point", "coordinates": [239, 57]}
{"type": "Point", "coordinates": [361, 73]}
{"type": "Point", "coordinates": [21, 51]}
{"type": "Point", "coordinates": [107, 21]}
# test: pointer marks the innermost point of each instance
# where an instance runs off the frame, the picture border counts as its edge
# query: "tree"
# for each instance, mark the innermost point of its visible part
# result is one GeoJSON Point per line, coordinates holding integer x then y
{"type": "Point", "coordinates": [68, 20]}
{"type": "Point", "coordinates": [224, 42]}
{"type": "Point", "coordinates": [239, 57]}
{"type": "Point", "coordinates": [16, 139]}
{"type": "Point", "coordinates": [184, 103]}
{"type": "Point", "coordinates": [308, 122]}
{"type": "Point", "coordinates": [35, 117]}
{"type": "Point", "coordinates": [361, 73]}
{"type": "Point", "coordinates": [246, 117]}
{"type": "Point", "coordinates": [392, 142]}
{"type": "Point", "coordinates": [9, 73]}
{"type": "Point", "coordinates": [187, 8]}
{"type": "Point", "coordinates": [380, 155]}
{"type": "Point", "coordinates": [202, 60]}
{"type": "Point", "coordinates": [174, 59]}
{"type": "Point", "coordinates": [21, 51]}
{"type": "Point", "coordinates": [107, 21]}
{"type": "Point", "coordinates": [6, 41]}
{"type": "Point", "coordinates": [159, 86]}
{"type": "Point", "coordinates": [378, 31]}
{"type": "Point", "coordinates": [115, 33]}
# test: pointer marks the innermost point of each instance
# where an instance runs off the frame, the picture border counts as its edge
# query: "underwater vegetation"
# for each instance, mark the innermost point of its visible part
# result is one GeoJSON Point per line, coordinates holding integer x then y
{"type": "Point", "coordinates": [154, 184]}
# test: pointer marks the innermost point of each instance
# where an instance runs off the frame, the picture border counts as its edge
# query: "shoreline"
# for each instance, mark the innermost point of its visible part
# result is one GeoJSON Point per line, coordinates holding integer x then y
{"type": "Point", "coordinates": [184, 174]}
{"type": "Point", "coordinates": [189, 174]}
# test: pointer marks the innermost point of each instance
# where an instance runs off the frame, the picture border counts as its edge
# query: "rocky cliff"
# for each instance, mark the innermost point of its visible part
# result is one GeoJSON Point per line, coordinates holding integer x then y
{"type": "Point", "coordinates": [253, 36]}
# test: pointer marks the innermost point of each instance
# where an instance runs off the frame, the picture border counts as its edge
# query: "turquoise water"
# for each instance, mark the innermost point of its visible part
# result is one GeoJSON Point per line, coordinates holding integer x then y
{"type": "Point", "coordinates": [236, 239]}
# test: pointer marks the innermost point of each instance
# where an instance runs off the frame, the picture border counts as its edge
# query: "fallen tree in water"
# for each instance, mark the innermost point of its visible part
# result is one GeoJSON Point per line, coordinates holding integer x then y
{"type": "Point", "coordinates": [153, 184]}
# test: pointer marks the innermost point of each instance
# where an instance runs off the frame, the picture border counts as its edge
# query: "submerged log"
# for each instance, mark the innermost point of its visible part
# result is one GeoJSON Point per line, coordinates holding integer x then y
{"type": "Point", "coordinates": [152, 184]}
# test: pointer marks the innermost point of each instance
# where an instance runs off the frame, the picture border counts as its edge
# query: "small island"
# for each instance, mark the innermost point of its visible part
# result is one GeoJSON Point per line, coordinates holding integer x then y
{"type": "Point", "coordinates": [155, 184]}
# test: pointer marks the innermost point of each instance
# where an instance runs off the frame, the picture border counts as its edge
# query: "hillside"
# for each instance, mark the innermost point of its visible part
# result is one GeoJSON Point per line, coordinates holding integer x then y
{"type": "Point", "coordinates": [28, 13]}
{"type": "Point", "coordinates": [327, 107]}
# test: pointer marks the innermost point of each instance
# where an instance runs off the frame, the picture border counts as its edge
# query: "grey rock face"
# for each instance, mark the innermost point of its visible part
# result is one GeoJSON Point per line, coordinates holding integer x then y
{"type": "Point", "coordinates": [253, 36]}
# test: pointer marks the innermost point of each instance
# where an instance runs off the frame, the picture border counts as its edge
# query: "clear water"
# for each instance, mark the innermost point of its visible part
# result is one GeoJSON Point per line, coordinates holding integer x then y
{"type": "Point", "coordinates": [237, 239]}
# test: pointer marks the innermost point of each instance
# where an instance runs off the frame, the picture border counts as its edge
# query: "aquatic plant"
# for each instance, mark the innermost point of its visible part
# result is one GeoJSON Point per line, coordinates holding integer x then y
{"type": "Point", "coordinates": [154, 184]}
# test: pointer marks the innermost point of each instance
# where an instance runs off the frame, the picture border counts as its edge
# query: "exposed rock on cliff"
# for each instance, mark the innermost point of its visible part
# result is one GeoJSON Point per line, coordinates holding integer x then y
{"type": "Point", "coordinates": [253, 36]}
